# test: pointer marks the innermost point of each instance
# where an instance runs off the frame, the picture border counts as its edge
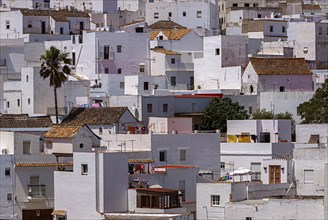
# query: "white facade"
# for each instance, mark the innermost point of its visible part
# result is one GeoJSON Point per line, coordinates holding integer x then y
{"type": "Point", "coordinates": [305, 131]}
{"type": "Point", "coordinates": [194, 14]}
{"type": "Point", "coordinates": [170, 125]}
{"type": "Point", "coordinates": [218, 67]}
{"type": "Point", "coordinates": [99, 188]}
{"type": "Point", "coordinates": [7, 195]}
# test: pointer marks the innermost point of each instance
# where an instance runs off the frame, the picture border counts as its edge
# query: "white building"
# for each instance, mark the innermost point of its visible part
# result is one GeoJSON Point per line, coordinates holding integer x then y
{"type": "Point", "coordinates": [99, 182]}
{"type": "Point", "coordinates": [250, 143]}
{"type": "Point", "coordinates": [219, 67]}
{"type": "Point", "coordinates": [193, 14]}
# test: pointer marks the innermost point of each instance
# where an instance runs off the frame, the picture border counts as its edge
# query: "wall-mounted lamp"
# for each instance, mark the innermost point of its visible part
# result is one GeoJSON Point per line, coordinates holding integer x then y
{"type": "Point", "coordinates": [283, 169]}
{"type": "Point", "coordinates": [265, 169]}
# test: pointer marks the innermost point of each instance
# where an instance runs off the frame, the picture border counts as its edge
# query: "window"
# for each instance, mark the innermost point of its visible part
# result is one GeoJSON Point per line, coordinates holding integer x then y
{"type": "Point", "coordinates": [255, 5]}
{"type": "Point", "coordinates": [172, 60]}
{"type": "Point", "coordinates": [149, 108]}
{"type": "Point", "coordinates": [182, 153]}
{"type": "Point", "coordinates": [122, 85]}
{"type": "Point", "coordinates": [18, 102]}
{"type": "Point", "coordinates": [165, 107]}
{"type": "Point", "coordinates": [84, 169]}
{"type": "Point", "coordinates": [26, 147]}
{"type": "Point", "coordinates": [184, 14]}
{"type": "Point", "coordinates": [282, 88]}
{"type": "Point", "coordinates": [119, 48]}
{"type": "Point", "coordinates": [7, 171]}
{"type": "Point", "coordinates": [199, 14]}
{"type": "Point", "coordinates": [173, 80]}
{"type": "Point", "coordinates": [246, 5]}
{"type": "Point", "coordinates": [61, 30]}
{"type": "Point", "coordinates": [308, 176]}
{"type": "Point", "coordinates": [256, 168]}
{"type": "Point", "coordinates": [248, 218]}
{"type": "Point", "coordinates": [29, 25]}
{"type": "Point", "coordinates": [106, 52]}
{"type": "Point", "coordinates": [100, 131]}
{"type": "Point", "coordinates": [283, 29]}
{"type": "Point", "coordinates": [170, 14]}
{"type": "Point", "coordinates": [145, 85]}
{"type": "Point", "coordinates": [141, 68]}
{"type": "Point", "coordinates": [81, 145]}
{"type": "Point", "coordinates": [160, 38]}
{"type": "Point", "coordinates": [7, 24]}
{"type": "Point", "coordinates": [162, 156]}
{"type": "Point", "coordinates": [251, 89]}
{"type": "Point", "coordinates": [271, 28]}
{"type": "Point", "coordinates": [106, 70]}
{"type": "Point", "coordinates": [156, 15]}
{"type": "Point", "coordinates": [217, 51]}
{"type": "Point", "coordinates": [9, 197]}
{"type": "Point", "coordinates": [119, 70]}
{"type": "Point", "coordinates": [139, 30]}
{"type": "Point", "coordinates": [234, 4]}
{"type": "Point", "coordinates": [215, 200]}
{"type": "Point", "coordinates": [305, 50]}
{"type": "Point", "coordinates": [182, 189]}
{"type": "Point", "coordinates": [222, 165]}
{"type": "Point", "coordinates": [73, 58]}
{"type": "Point", "coordinates": [250, 110]}
{"type": "Point", "coordinates": [320, 30]}
{"type": "Point", "coordinates": [8, 104]}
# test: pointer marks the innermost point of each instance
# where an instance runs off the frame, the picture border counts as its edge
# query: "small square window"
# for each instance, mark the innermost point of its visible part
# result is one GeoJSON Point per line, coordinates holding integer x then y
{"type": "Point", "coordinates": [29, 25]}
{"type": "Point", "coordinates": [26, 147]}
{"type": "Point", "coordinates": [172, 60]}
{"type": "Point", "coordinates": [246, 5]}
{"type": "Point", "coordinates": [170, 14]}
{"type": "Point", "coordinates": [199, 14]}
{"type": "Point", "coordinates": [122, 85]}
{"type": "Point", "coordinates": [119, 71]}
{"type": "Point", "coordinates": [149, 108]}
{"type": "Point", "coordinates": [165, 107]}
{"type": "Point", "coordinates": [84, 169]}
{"type": "Point", "coordinates": [119, 48]}
{"type": "Point", "coordinates": [156, 15]}
{"type": "Point", "coordinates": [141, 68]}
{"type": "Point", "coordinates": [320, 30]}
{"type": "Point", "coordinates": [9, 197]}
{"type": "Point", "coordinates": [106, 70]}
{"type": "Point", "coordinates": [222, 165]}
{"type": "Point", "coordinates": [146, 86]}
{"type": "Point", "coordinates": [255, 5]}
{"type": "Point", "coordinates": [7, 24]}
{"type": "Point", "coordinates": [215, 200]}
{"type": "Point", "coordinates": [250, 110]}
{"type": "Point", "coordinates": [282, 88]}
{"type": "Point", "coordinates": [7, 171]}
{"type": "Point", "coordinates": [283, 29]}
{"type": "Point", "coordinates": [235, 5]}
{"type": "Point", "coordinates": [217, 51]}
{"type": "Point", "coordinates": [182, 153]}
{"type": "Point", "coordinates": [173, 80]}
{"type": "Point", "coordinates": [184, 14]}
{"type": "Point", "coordinates": [271, 28]}
{"type": "Point", "coordinates": [248, 218]}
{"type": "Point", "coordinates": [162, 156]}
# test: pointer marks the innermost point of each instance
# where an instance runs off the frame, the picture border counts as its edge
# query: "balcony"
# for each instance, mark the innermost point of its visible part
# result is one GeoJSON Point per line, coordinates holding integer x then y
{"type": "Point", "coordinates": [36, 191]}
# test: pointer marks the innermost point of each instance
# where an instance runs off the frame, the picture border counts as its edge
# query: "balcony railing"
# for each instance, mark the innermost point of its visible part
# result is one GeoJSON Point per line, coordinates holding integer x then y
{"type": "Point", "coordinates": [36, 191]}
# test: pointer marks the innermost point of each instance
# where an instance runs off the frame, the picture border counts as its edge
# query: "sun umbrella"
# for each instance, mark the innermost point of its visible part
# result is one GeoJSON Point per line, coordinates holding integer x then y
{"type": "Point", "coordinates": [241, 171]}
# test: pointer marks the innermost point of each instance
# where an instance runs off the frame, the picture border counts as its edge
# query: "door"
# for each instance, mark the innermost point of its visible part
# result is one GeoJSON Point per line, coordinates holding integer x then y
{"type": "Point", "coordinates": [37, 214]}
{"type": "Point", "coordinates": [274, 174]}
{"type": "Point", "coordinates": [43, 27]}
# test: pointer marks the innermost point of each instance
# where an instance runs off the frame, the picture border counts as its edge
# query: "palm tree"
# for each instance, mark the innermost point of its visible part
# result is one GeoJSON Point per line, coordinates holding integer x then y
{"type": "Point", "coordinates": [55, 67]}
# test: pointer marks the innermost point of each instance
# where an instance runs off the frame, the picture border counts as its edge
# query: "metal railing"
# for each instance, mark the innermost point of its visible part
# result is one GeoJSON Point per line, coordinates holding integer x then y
{"type": "Point", "coordinates": [36, 190]}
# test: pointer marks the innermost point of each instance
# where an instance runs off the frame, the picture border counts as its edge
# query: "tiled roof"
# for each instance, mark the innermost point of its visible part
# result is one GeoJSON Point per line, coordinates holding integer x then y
{"type": "Point", "coordinates": [24, 121]}
{"type": "Point", "coordinates": [131, 23]}
{"type": "Point", "coordinates": [94, 116]}
{"type": "Point", "coordinates": [66, 132]}
{"type": "Point", "coordinates": [160, 25]}
{"type": "Point", "coordinates": [135, 161]}
{"type": "Point", "coordinates": [176, 34]}
{"type": "Point", "coordinates": [167, 52]}
{"type": "Point", "coordinates": [59, 212]}
{"type": "Point", "coordinates": [43, 164]}
{"type": "Point", "coordinates": [311, 7]}
{"type": "Point", "coordinates": [280, 66]}
{"type": "Point", "coordinates": [57, 15]}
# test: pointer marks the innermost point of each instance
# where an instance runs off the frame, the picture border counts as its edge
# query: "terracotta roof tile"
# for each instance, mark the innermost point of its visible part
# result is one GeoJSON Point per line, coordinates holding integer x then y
{"type": "Point", "coordinates": [43, 164]}
{"type": "Point", "coordinates": [57, 15]}
{"type": "Point", "coordinates": [167, 52]}
{"type": "Point", "coordinates": [160, 25]}
{"type": "Point", "coordinates": [94, 116]}
{"type": "Point", "coordinates": [24, 121]}
{"type": "Point", "coordinates": [280, 66]}
{"type": "Point", "coordinates": [176, 34]}
{"type": "Point", "coordinates": [59, 212]}
{"type": "Point", "coordinates": [66, 132]}
{"type": "Point", "coordinates": [135, 161]}
{"type": "Point", "coordinates": [311, 7]}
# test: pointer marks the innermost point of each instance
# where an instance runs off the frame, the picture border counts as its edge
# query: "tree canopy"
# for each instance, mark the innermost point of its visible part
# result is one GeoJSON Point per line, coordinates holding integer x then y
{"type": "Point", "coordinates": [219, 111]}
{"type": "Point", "coordinates": [55, 67]}
{"type": "Point", "coordinates": [264, 114]}
{"type": "Point", "coordinates": [316, 109]}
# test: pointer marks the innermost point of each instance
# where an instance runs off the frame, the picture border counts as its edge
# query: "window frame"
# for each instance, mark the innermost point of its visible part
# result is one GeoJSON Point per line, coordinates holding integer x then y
{"type": "Point", "coordinates": [199, 14]}
{"type": "Point", "coordinates": [165, 107]}
{"type": "Point", "coordinates": [162, 155]}
{"type": "Point", "coordinates": [7, 171]}
{"type": "Point", "coordinates": [214, 201]}
{"type": "Point", "coordinates": [149, 108]}
{"type": "Point", "coordinates": [84, 169]}
{"type": "Point", "coordinates": [119, 48]}
{"type": "Point", "coordinates": [183, 157]}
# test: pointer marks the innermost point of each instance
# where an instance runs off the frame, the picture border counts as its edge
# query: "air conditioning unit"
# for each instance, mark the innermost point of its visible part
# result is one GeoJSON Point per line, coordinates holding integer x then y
{"type": "Point", "coordinates": [4, 151]}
